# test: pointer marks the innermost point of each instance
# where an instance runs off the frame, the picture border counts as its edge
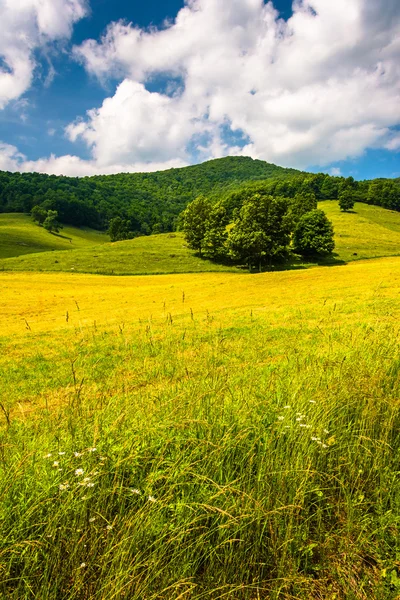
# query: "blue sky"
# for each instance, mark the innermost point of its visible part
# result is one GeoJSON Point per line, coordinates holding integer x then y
{"type": "Point", "coordinates": [112, 85]}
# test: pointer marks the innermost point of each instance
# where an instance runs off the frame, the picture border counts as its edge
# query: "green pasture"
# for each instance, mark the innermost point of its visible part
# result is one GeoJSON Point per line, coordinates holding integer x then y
{"type": "Point", "coordinates": [19, 235]}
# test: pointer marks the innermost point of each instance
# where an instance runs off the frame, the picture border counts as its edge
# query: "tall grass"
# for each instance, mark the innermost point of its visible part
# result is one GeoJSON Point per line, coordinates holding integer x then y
{"type": "Point", "coordinates": [197, 458]}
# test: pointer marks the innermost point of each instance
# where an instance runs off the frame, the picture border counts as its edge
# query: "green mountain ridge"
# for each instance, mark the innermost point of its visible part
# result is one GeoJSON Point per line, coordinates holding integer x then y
{"type": "Point", "coordinates": [152, 202]}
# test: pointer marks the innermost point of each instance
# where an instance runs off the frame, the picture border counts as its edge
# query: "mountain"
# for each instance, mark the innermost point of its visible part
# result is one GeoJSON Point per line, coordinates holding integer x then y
{"type": "Point", "coordinates": [152, 202]}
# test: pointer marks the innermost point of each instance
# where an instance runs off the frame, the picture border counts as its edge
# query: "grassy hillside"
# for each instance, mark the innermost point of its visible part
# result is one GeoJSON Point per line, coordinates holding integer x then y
{"type": "Point", "coordinates": [19, 236]}
{"type": "Point", "coordinates": [367, 232]}
{"type": "Point", "coordinates": [201, 436]}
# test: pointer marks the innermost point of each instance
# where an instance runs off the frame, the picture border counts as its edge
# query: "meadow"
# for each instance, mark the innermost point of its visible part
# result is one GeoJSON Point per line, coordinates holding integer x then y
{"type": "Point", "coordinates": [201, 436]}
{"type": "Point", "coordinates": [19, 235]}
{"type": "Point", "coordinates": [367, 232]}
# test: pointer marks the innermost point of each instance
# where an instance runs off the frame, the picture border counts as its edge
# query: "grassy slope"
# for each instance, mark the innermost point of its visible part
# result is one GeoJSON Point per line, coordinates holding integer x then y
{"type": "Point", "coordinates": [368, 232]}
{"type": "Point", "coordinates": [164, 253]}
{"type": "Point", "coordinates": [264, 423]}
{"type": "Point", "coordinates": [20, 236]}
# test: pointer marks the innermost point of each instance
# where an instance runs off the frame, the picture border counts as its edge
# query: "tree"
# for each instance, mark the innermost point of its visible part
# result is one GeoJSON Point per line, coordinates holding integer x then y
{"type": "Point", "coordinates": [314, 234]}
{"type": "Point", "coordinates": [300, 205]}
{"type": "Point", "coordinates": [38, 214]}
{"type": "Point", "coordinates": [346, 199]}
{"type": "Point", "coordinates": [261, 230]}
{"type": "Point", "coordinates": [194, 223]}
{"type": "Point", "coordinates": [50, 223]}
{"type": "Point", "coordinates": [216, 233]}
{"type": "Point", "coordinates": [118, 229]}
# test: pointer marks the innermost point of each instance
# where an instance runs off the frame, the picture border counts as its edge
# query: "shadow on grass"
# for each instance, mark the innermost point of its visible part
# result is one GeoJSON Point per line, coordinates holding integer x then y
{"type": "Point", "coordinates": [292, 263]}
{"type": "Point", "coordinates": [64, 237]}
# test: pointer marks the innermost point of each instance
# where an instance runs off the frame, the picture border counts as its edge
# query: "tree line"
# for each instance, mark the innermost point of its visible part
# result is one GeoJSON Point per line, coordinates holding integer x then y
{"type": "Point", "coordinates": [131, 204]}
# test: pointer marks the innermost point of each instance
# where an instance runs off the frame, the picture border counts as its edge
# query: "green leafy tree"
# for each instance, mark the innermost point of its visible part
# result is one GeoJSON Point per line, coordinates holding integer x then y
{"type": "Point", "coordinates": [329, 188]}
{"type": "Point", "coordinates": [261, 230]}
{"type": "Point", "coordinates": [51, 221]}
{"type": "Point", "coordinates": [118, 229]}
{"type": "Point", "coordinates": [39, 214]}
{"type": "Point", "coordinates": [346, 199]}
{"type": "Point", "coordinates": [314, 234]}
{"type": "Point", "coordinates": [194, 223]}
{"type": "Point", "coordinates": [301, 204]}
{"type": "Point", "coordinates": [216, 234]}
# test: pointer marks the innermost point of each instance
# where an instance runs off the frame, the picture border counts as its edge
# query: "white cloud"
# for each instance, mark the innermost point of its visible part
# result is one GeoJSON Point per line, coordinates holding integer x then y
{"type": "Point", "coordinates": [12, 160]}
{"type": "Point", "coordinates": [335, 171]}
{"type": "Point", "coordinates": [27, 25]}
{"type": "Point", "coordinates": [393, 143]}
{"type": "Point", "coordinates": [322, 87]}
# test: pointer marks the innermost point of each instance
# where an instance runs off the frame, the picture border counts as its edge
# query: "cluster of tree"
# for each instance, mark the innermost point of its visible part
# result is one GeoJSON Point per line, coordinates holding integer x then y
{"type": "Point", "coordinates": [255, 227]}
{"type": "Point", "coordinates": [152, 202]}
{"type": "Point", "coordinates": [47, 218]}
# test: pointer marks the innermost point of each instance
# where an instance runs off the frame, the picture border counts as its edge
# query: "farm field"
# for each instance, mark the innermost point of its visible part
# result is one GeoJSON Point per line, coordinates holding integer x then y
{"type": "Point", "coordinates": [19, 235]}
{"type": "Point", "coordinates": [211, 435]}
{"type": "Point", "coordinates": [368, 232]}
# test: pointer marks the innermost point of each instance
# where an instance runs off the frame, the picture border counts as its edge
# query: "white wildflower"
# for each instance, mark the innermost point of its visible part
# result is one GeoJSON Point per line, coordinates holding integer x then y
{"type": "Point", "coordinates": [109, 527]}
{"type": "Point", "coordinates": [151, 499]}
{"type": "Point", "coordinates": [280, 418]}
{"type": "Point", "coordinates": [90, 484]}
{"type": "Point", "coordinates": [316, 439]}
{"type": "Point", "coordinates": [47, 455]}
{"type": "Point", "coordinates": [287, 406]}
{"type": "Point", "coordinates": [92, 519]}
{"type": "Point", "coordinates": [82, 565]}
{"type": "Point", "coordinates": [63, 486]}
{"type": "Point", "coordinates": [312, 402]}
{"type": "Point", "coordinates": [135, 491]}
{"type": "Point", "coordinates": [79, 472]}
{"type": "Point", "coordinates": [61, 453]}
{"type": "Point", "coordinates": [326, 431]}
{"type": "Point", "coordinates": [92, 449]}
{"type": "Point", "coordinates": [77, 454]}
{"type": "Point", "coordinates": [56, 463]}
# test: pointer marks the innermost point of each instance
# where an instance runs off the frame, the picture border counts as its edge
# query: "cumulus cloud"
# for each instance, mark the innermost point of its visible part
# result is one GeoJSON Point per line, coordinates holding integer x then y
{"type": "Point", "coordinates": [13, 160]}
{"type": "Point", "coordinates": [27, 25]}
{"type": "Point", "coordinates": [321, 87]}
{"type": "Point", "coordinates": [231, 78]}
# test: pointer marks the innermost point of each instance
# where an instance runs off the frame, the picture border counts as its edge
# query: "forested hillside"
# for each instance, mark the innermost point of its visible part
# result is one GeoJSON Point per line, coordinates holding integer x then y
{"type": "Point", "coordinates": [151, 202]}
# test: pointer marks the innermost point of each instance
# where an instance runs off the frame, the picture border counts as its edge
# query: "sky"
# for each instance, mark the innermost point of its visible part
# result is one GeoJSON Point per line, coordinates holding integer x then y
{"type": "Point", "coordinates": [106, 86]}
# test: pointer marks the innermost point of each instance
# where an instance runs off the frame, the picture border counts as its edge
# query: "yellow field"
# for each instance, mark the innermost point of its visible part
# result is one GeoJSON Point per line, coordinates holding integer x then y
{"type": "Point", "coordinates": [243, 444]}
{"type": "Point", "coordinates": [33, 302]}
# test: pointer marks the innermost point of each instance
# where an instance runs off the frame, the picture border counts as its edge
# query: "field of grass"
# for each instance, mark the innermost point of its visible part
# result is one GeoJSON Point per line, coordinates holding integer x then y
{"type": "Point", "coordinates": [368, 232]}
{"type": "Point", "coordinates": [155, 254]}
{"type": "Point", "coordinates": [205, 436]}
{"type": "Point", "coordinates": [19, 235]}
